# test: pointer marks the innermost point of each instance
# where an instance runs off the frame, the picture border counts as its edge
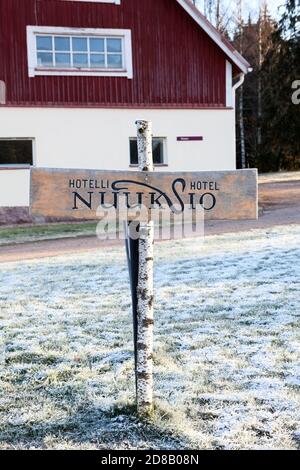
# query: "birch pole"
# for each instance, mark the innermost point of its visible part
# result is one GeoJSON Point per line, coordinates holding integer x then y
{"type": "Point", "coordinates": [241, 90]}
{"type": "Point", "coordinates": [144, 370]}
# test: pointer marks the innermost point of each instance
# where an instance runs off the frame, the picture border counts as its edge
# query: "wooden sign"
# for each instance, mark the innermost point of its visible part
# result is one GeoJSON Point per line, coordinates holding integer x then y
{"type": "Point", "coordinates": [77, 194]}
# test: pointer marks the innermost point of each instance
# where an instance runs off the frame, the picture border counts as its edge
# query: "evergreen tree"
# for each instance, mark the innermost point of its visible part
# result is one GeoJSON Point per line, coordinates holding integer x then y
{"type": "Point", "coordinates": [280, 149]}
{"type": "Point", "coordinates": [254, 40]}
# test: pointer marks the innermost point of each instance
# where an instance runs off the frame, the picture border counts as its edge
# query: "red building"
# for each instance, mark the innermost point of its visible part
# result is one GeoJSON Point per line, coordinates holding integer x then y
{"type": "Point", "coordinates": [76, 74]}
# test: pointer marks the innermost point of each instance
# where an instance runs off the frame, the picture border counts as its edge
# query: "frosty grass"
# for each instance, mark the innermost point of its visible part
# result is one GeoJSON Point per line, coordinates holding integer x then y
{"type": "Point", "coordinates": [227, 347]}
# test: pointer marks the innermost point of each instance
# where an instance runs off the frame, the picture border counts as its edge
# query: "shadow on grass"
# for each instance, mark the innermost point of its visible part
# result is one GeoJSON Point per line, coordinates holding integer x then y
{"type": "Point", "coordinates": [118, 428]}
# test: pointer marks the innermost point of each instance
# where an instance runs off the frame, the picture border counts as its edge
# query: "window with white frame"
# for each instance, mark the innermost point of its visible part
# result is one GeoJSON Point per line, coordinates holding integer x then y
{"type": "Point", "coordinates": [158, 148]}
{"type": "Point", "coordinates": [69, 51]}
{"type": "Point", "coordinates": [16, 151]}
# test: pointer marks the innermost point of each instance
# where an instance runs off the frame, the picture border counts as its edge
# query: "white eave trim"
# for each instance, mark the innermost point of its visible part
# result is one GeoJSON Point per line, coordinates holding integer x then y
{"type": "Point", "coordinates": [234, 56]}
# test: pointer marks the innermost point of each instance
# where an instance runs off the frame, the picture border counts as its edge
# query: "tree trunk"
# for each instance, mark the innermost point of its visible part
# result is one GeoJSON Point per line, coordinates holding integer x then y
{"type": "Point", "coordinates": [242, 126]}
{"type": "Point", "coordinates": [145, 286]}
{"type": "Point", "coordinates": [259, 84]}
{"type": "Point", "coordinates": [218, 15]}
{"type": "Point", "coordinates": [241, 91]}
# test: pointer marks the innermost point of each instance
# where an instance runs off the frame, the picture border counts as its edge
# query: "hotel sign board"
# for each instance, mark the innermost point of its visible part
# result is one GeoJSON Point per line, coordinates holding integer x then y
{"type": "Point", "coordinates": [76, 194]}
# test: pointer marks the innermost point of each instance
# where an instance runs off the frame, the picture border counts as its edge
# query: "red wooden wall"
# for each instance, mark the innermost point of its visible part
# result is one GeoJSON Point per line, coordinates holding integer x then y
{"type": "Point", "coordinates": [175, 64]}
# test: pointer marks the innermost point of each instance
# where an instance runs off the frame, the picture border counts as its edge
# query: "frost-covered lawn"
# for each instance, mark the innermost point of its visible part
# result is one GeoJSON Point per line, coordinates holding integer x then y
{"type": "Point", "coordinates": [227, 347]}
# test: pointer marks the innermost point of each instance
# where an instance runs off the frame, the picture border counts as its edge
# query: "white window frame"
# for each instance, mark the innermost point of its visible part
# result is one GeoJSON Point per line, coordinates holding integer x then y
{"type": "Point", "coordinates": [35, 70]}
{"type": "Point", "coordinates": [20, 165]}
{"type": "Point", "coordinates": [165, 151]}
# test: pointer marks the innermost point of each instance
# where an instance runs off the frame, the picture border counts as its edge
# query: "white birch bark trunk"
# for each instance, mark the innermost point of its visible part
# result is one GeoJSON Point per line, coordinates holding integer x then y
{"type": "Point", "coordinates": [241, 90]}
{"type": "Point", "coordinates": [145, 286]}
{"type": "Point", "coordinates": [242, 127]}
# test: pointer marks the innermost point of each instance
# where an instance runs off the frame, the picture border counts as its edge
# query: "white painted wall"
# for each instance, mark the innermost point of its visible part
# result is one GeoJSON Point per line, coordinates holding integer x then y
{"type": "Point", "coordinates": [14, 188]}
{"type": "Point", "coordinates": [84, 138]}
